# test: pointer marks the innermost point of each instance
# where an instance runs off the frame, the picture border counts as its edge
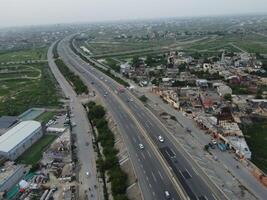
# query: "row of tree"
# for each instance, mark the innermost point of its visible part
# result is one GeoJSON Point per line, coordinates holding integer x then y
{"type": "Point", "coordinates": [75, 80]}
{"type": "Point", "coordinates": [107, 72]}
{"type": "Point", "coordinates": [109, 163]}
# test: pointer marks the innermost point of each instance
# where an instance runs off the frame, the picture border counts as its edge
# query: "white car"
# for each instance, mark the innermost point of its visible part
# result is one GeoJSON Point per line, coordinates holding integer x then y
{"type": "Point", "coordinates": [161, 139]}
{"type": "Point", "coordinates": [213, 141]}
{"type": "Point", "coordinates": [141, 146]}
{"type": "Point", "coordinates": [87, 173]}
{"type": "Point", "coordinates": [167, 194]}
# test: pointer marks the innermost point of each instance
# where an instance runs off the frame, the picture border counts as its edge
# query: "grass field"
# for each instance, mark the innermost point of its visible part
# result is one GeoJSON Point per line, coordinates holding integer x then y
{"type": "Point", "coordinates": [32, 54]}
{"type": "Point", "coordinates": [114, 47]}
{"type": "Point", "coordinates": [46, 116]}
{"type": "Point", "coordinates": [19, 94]}
{"type": "Point", "coordinates": [250, 43]}
{"type": "Point", "coordinates": [32, 155]}
{"type": "Point", "coordinates": [256, 137]}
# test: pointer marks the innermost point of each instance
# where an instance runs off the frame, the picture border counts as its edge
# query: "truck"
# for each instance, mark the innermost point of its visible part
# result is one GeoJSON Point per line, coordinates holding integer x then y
{"type": "Point", "coordinates": [222, 146]}
{"type": "Point", "coordinates": [121, 89]}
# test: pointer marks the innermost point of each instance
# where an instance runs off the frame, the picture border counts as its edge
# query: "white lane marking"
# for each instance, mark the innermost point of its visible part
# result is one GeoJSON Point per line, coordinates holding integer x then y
{"type": "Point", "coordinates": [139, 160]}
{"type": "Point", "coordinates": [143, 155]}
{"type": "Point", "coordinates": [146, 178]}
{"type": "Point", "coordinates": [147, 124]}
{"type": "Point", "coordinates": [150, 185]}
{"type": "Point", "coordinates": [181, 174]}
{"type": "Point", "coordinates": [153, 193]}
{"type": "Point", "coordinates": [213, 196]}
{"type": "Point", "coordinates": [188, 172]}
{"type": "Point", "coordinates": [134, 139]}
{"type": "Point", "coordinates": [149, 154]}
{"type": "Point", "coordinates": [144, 172]}
{"type": "Point", "coordinates": [160, 175]}
{"type": "Point", "coordinates": [154, 177]}
{"type": "Point", "coordinates": [142, 166]}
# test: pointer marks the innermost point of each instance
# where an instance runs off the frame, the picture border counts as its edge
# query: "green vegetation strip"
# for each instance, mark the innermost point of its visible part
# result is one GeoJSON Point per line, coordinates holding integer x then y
{"type": "Point", "coordinates": [45, 117]}
{"type": "Point", "coordinates": [109, 163]}
{"type": "Point", "coordinates": [75, 80]}
{"type": "Point", "coordinates": [105, 71]}
{"type": "Point", "coordinates": [256, 138]}
{"type": "Point", "coordinates": [32, 155]}
{"type": "Point", "coordinates": [55, 53]}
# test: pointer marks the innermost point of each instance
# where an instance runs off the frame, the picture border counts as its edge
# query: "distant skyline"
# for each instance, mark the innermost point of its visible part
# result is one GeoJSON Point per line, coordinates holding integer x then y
{"type": "Point", "coordinates": [39, 12]}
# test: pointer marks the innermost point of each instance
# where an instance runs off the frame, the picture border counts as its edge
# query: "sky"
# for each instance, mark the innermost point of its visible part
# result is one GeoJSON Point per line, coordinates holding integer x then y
{"type": "Point", "coordinates": [38, 12]}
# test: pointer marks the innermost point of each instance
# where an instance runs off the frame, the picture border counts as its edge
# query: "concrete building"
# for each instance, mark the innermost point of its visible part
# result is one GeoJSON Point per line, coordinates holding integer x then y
{"type": "Point", "coordinates": [125, 68]}
{"type": "Point", "coordinates": [222, 89]}
{"type": "Point", "coordinates": [19, 138]}
{"type": "Point", "coordinates": [10, 174]}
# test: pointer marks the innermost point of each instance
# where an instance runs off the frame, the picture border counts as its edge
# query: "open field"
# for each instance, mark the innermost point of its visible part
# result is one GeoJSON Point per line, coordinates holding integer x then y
{"type": "Point", "coordinates": [32, 155]}
{"type": "Point", "coordinates": [250, 43]}
{"type": "Point", "coordinates": [114, 47]}
{"type": "Point", "coordinates": [32, 54]}
{"type": "Point", "coordinates": [27, 86]}
{"type": "Point", "coordinates": [256, 138]}
{"type": "Point", "coordinates": [46, 116]}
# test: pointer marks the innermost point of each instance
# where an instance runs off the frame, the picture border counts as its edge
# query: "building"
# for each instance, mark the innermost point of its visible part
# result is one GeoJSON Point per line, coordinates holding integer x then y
{"type": "Point", "coordinates": [125, 68]}
{"type": "Point", "coordinates": [19, 138]}
{"type": "Point", "coordinates": [202, 83]}
{"type": "Point", "coordinates": [222, 89]}
{"type": "Point", "coordinates": [6, 122]}
{"type": "Point", "coordinates": [10, 174]}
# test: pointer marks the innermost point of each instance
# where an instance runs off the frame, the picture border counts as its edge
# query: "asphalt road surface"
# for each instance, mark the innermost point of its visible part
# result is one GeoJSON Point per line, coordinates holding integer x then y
{"type": "Point", "coordinates": [186, 172]}
{"type": "Point", "coordinates": [85, 152]}
{"type": "Point", "coordinates": [152, 176]}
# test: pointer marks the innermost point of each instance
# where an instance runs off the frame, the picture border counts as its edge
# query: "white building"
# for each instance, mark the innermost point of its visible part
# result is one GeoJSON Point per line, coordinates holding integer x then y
{"type": "Point", "coordinates": [222, 89]}
{"type": "Point", "coordinates": [125, 68]}
{"type": "Point", "coordinates": [19, 138]}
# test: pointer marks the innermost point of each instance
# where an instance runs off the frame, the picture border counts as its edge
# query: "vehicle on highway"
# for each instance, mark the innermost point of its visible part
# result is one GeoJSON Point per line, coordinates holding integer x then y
{"type": "Point", "coordinates": [211, 145]}
{"type": "Point", "coordinates": [213, 141]}
{"type": "Point", "coordinates": [167, 194]}
{"type": "Point", "coordinates": [121, 89]}
{"type": "Point", "coordinates": [87, 173]}
{"type": "Point", "coordinates": [131, 99]}
{"type": "Point", "coordinates": [141, 146]}
{"type": "Point", "coordinates": [161, 139]}
{"type": "Point", "coordinates": [188, 130]}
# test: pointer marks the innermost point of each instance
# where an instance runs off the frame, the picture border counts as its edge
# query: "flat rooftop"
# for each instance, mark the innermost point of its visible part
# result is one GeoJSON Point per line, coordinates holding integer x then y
{"type": "Point", "coordinates": [7, 121]}
{"type": "Point", "coordinates": [17, 134]}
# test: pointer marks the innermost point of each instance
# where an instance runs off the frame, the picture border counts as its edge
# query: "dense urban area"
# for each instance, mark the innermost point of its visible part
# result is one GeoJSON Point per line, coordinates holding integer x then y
{"type": "Point", "coordinates": [144, 109]}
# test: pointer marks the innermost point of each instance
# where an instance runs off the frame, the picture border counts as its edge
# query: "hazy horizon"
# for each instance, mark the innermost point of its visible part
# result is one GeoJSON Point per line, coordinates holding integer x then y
{"type": "Point", "coordinates": [44, 12]}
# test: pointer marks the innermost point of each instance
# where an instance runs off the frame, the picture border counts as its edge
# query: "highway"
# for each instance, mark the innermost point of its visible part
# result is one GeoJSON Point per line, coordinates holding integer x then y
{"type": "Point", "coordinates": [186, 171]}
{"type": "Point", "coordinates": [152, 176]}
{"type": "Point", "coordinates": [85, 152]}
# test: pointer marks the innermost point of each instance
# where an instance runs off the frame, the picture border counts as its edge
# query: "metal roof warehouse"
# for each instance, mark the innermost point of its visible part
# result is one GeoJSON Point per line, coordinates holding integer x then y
{"type": "Point", "coordinates": [19, 138]}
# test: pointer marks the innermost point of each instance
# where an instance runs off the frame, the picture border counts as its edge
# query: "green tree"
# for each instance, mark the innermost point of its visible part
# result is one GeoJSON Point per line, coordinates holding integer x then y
{"type": "Point", "coordinates": [227, 97]}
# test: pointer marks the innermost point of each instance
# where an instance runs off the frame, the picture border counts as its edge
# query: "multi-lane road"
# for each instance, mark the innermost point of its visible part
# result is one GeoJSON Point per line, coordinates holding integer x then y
{"type": "Point", "coordinates": [138, 125]}
{"type": "Point", "coordinates": [152, 177]}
